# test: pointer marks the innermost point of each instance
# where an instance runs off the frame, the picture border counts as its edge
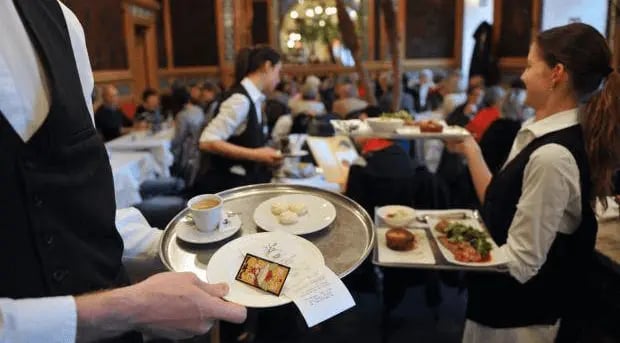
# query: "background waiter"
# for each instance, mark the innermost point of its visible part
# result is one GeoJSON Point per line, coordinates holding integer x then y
{"type": "Point", "coordinates": [52, 167]}
{"type": "Point", "coordinates": [235, 139]}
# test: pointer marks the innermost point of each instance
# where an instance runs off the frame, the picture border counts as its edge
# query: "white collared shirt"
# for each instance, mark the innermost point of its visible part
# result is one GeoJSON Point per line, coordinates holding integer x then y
{"type": "Point", "coordinates": [232, 118]}
{"type": "Point", "coordinates": [25, 102]}
{"type": "Point", "coordinates": [551, 196]}
{"type": "Point", "coordinates": [550, 203]}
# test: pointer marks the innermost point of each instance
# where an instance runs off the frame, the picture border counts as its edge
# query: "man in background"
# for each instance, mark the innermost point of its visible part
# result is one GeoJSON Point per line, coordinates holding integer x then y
{"type": "Point", "coordinates": [110, 121]}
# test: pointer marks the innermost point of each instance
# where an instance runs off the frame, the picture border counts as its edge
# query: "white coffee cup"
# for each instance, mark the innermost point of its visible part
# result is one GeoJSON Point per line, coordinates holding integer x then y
{"type": "Point", "coordinates": [206, 219]}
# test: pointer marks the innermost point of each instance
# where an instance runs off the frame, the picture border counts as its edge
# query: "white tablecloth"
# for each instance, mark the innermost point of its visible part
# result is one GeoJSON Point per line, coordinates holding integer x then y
{"type": "Point", "coordinates": [129, 170]}
{"type": "Point", "coordinates": [158, 145]}
{"type": "Point", "coordinates": [317, 181]}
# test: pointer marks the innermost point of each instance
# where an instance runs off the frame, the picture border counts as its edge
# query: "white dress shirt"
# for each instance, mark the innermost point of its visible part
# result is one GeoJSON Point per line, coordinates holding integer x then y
{"type": "Point", "coordinates": [232, 118]}
{"type": "Point", "coordinates": [550, 202]}
{"type": "Point", "coordinates": [25, 102]}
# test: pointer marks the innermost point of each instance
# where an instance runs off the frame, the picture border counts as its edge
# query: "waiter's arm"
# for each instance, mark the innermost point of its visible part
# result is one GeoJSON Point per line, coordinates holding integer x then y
{"type": "Point", "coordinates": [171, 305]}
{"type": "Point", "coordinates": [480, 174]}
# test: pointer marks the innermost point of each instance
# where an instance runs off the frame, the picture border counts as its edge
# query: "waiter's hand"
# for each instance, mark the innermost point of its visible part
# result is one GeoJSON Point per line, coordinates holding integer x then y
{"type": "Point", "coordinates": [179, 305]}
{"type": "Point", "coordinates": [268, 156]}
{"type": "Point", "coordinates": [169, 305]}
{"type": "Point", "coordinates": [465, 147]}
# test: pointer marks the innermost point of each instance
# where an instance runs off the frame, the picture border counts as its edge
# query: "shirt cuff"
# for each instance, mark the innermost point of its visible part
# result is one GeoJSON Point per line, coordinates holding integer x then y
{"type": "Point", "coordinates": [139, 238]}
{"type": "Point", "coordinates": [52, 319]}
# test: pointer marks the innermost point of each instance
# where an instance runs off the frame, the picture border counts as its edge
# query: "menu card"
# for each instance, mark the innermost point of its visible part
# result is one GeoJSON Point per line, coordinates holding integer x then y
{"type": "Point", "coordinates": [318, 294]}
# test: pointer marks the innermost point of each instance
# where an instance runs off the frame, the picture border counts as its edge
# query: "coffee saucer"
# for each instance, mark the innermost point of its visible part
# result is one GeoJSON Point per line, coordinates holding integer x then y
{"type": "Point", "coordinates": [188, 232]}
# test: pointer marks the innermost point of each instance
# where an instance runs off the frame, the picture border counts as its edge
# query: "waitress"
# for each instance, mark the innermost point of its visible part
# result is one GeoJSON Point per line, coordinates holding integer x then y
{"type": "Point", "coordinates": [235, 139]}
{"type": "Point", "coordinates": [538, 207]}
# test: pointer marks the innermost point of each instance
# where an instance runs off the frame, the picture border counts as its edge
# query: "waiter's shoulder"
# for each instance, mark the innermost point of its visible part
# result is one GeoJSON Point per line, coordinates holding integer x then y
{"type": "Point", "coordinates": [553, 157]}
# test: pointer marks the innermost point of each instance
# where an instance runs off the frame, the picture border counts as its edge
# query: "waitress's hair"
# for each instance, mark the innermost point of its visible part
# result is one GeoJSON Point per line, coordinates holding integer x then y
{"type": "Point", "coordinates": [584, 53]}
{"type": "Point", "coordinates": [252, 59]}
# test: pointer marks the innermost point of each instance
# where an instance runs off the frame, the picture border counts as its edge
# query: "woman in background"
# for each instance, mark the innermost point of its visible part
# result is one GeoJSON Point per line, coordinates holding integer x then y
{"type": "Point", "coordinates": [235, 139]}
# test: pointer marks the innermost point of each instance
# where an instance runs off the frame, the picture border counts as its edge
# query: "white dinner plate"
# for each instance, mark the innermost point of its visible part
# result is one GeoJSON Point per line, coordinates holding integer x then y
{"type": "Point", "coordinates": [496, 257]}
{"type": "Point", "coordinates": [280, 247]}
{"type": "Point", "coordinates": [321, 213]}
{"type": "Point", "coordinates": [188, 232]}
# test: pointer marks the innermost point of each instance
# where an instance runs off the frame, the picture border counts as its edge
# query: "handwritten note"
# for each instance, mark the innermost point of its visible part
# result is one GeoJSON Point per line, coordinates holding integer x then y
{"type": "Point", "coordinates": [318, 293]}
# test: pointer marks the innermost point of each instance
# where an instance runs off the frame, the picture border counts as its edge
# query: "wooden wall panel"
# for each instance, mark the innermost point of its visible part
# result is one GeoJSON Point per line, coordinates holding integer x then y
{"type": "Point", "coordinates": [430, 28]}
{"type": "Point", "coordinates": [103, 26]}
{"type": "Point", "coordinates": [194, 34]}
{"type": "Point", "coordinates": [515, 25]}
{"type": "Point", "coordinates": [162, 58]}
{"type": "Point", "coordinates": [260, 21]}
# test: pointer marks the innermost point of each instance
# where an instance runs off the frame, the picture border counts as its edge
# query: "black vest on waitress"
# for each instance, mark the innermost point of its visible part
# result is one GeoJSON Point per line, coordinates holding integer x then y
{"type": "Point", "coordinates": [57, 200]}
{"type": "Point", "coordinates": [499, 300]}
{"type": "Point", "coordinates": [216, 173]}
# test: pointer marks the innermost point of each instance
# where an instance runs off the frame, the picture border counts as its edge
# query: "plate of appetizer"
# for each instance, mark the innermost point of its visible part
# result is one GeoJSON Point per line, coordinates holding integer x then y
{"type": "Point", "coordinates": [396, 215]}
{"type": "Point", "coordinates": [465, 242]}
{"type": "Point", "coordinates": [257, 267]}
{"type": "Point", "coordinates": [404, 246]}
{"type": "Point", "coordinates": [298, 214]}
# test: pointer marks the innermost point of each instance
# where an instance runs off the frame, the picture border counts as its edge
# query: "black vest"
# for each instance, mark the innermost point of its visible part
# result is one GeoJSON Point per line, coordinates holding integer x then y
{"type": "Point", "coordinates": [499, 300]}
{"type": "Point", "coordinates": [215, 169]}
{"type": "Point", "coordinates": [57, 201]}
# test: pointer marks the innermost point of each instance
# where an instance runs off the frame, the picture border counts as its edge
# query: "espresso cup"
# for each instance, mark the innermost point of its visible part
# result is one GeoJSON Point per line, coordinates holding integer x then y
{"type": "Point", "coordinates": [206, 210]}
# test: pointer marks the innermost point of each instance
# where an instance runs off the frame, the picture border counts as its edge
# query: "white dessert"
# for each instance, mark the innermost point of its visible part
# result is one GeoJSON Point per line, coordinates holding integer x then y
{"type": "Point", "coordinates": [278, 208]}
{"type": "Point", "coordinates": [299, 208]}
{"type": "Point", "coordinates": [288, 218]}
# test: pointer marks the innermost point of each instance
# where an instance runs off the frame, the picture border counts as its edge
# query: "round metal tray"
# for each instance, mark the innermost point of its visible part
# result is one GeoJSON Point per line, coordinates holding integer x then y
{"type": "Point", "coordinates": [345, 244]}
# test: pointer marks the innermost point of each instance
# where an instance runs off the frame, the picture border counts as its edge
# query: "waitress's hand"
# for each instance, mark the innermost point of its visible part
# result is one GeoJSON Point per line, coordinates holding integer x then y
{"type": "Point", "coordinates": [268, 156]}
{"type": "Point", "coordinates": [466, 147]}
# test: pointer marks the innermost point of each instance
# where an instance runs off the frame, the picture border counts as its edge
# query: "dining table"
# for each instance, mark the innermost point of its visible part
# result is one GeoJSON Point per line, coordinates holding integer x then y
{"type": "Point", "coordinates": [157, 144]}
{"type": "Point", "coordinates": [129, 170]}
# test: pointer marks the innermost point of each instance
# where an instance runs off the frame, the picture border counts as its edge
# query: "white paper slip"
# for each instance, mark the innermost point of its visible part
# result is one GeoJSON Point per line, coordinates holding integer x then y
{"type": "Point", "coordinates": [319, 294]}
{"type": "Point", "coordinates": [420, 254]}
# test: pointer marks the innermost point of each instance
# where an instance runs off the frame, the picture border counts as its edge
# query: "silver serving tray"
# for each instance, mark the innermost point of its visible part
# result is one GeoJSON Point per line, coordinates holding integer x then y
{"type": "Point", "coordinates": [345, 244]}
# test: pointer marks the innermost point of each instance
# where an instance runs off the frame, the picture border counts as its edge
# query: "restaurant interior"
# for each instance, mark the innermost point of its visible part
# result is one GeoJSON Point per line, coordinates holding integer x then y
{"type": "Point", "coordinates": [343, 140]}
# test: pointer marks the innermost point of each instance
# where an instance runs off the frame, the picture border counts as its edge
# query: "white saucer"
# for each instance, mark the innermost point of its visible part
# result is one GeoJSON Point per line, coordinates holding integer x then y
{"type": "Point", "coordinates": [187, 231]}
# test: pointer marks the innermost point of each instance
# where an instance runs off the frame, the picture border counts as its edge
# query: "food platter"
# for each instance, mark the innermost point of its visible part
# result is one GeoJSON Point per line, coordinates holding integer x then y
{"type": "Point", "coordinates": [495, 257]}
{"type": "Point", "coordinates": [358, 128]}
{"type": "Point", "coordinates": [443, 259]}
{"type": "Point", "coordinates": [344, 244]}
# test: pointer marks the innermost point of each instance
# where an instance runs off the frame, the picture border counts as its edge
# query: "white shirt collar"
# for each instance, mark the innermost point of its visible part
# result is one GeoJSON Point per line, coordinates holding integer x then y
{"type": "Point", "coordinates": [255, 94]}
{"type": "Point", "coordinates": [552, 123]}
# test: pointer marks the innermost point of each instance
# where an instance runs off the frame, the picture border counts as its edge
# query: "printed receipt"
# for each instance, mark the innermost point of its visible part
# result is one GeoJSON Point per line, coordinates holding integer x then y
{"type": "Point", "coordinates": [318, 293]}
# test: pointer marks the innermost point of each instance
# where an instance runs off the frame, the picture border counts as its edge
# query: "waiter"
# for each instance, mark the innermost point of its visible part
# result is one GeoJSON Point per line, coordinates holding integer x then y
{"type": "Point", "coordinates": [59, 238]}
{"type": "Point", "coordinates": [235, 139]}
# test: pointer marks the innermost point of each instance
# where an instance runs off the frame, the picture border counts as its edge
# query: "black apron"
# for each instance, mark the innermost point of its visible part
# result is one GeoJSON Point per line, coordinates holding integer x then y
{"type": "Point", "coordinates": [57, 202]}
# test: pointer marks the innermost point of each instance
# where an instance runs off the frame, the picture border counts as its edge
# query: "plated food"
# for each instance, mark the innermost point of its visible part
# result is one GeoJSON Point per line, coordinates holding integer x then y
{"type": "Point", "coordinates": [263, 274]}
{"type": "Point", "coordinates": [400, 239]}
{"type": "Point", "coordinates": [396, 215]}
{"type": "Point", "coordinates": [298, 214]}
{"type": "Point", "coordinates": [430, 126]}
{"type": "Point", "coordinates": [466, 243]}
{"type": "Point", "coordinates": [404, 115]}
{"type": "Point", "coordinates": [288, 213]}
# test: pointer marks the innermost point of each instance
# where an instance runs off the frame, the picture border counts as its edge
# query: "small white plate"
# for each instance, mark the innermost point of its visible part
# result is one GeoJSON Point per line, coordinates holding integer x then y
{"type": "Point", "coordinates": [188, 232]}
{"type": "Point", "coordinates": [421, 254]}
{"type": "Point", "coordinates": [321, 213]}
{"type": "Point", "coordinates": [289, 250]}
{"type": "Point", "coordinates": [383, 212]}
